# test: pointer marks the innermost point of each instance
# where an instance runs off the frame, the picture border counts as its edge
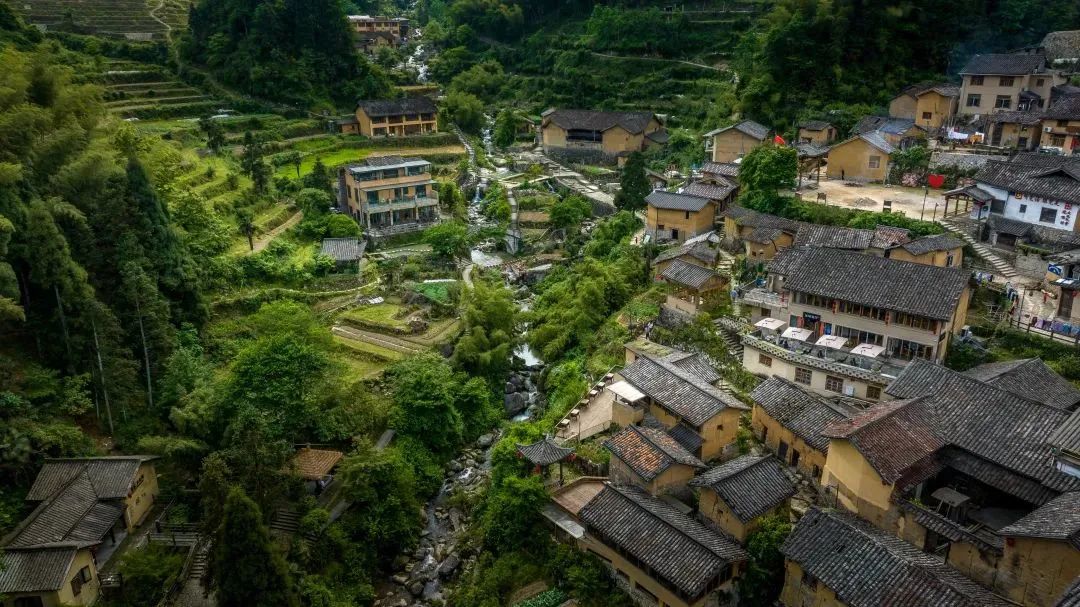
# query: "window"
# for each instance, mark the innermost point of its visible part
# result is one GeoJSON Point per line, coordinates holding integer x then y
{"type": "Point", "coordinates": [1058, 141]}
{"type": "Point", "coordinates": [873, 392]}
{"type": "Point", "coordinates": [950, 259]}
{"type": "Point", "coordinates": [907, 350]}
{"type": "Point", "coordinates": [875, 162]}
{"type": "Point", "coordinates": [76, 586]}
{"type": "Point", "coordinates": [1063, 123]}
{"type": "Point", "coordinates": [421, 191]}
{"type": "Point", "coordinates": [1023, 208]}
{"type": "Point", "coordinates": [977, 80]}
{"type": "Point", "coordinates": [1006, 81]}
{"type": "Point", "coordinates": [764, 433]}
{"type": "Point", "coordinates": [1003, 102]}
{"type": "Point", "coordinates": [1048, 215]}
{"type": "Point", "coordinates": [1040, 82]}
{"type": "Point", "coordinates": [803, 376]}
{"type": "Point", "coordinates": [927, 115]}
{"type": "Point", "coordinates": [687, 216]}
{"type": "Point", "coordinates": [373, 197]}
{"type": "Point", "coordinates": [84, 574]}
{"type": "Point", "coordinates": [834, 384]}
{"type": "Point", "coordinates": [794, 458]}
{"type": "Point", "coordinates": [764, 361]}
{"type": "Point", "coordinates": [660, 227]}
{"type": "Point", "coordinates": [28, 601]}
{"type": "Point", "coordinates": [974, 100]}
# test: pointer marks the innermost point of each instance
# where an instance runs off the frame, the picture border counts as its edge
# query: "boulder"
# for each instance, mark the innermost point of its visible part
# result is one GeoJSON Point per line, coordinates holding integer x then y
{"type": "Point", "coordinates": [416, 588]}
{"type": "Point", "coordinates": [448, 566]}
{"type": "Point", "coordinates": [515, 403]}
{"type": "Point", "coordinates": [510, 387]}
{"type": "Point", "coordinates": [485, 441]}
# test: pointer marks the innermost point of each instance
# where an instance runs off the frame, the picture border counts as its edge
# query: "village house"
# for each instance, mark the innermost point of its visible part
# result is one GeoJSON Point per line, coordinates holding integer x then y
{"type": "Point", "coordinates": [678, 217]}
{"type": "Point", "coordinates": [760, 235]}
{"type": "Point", "coordinates": [737, 494]}
{"type": "Point", "coordinates": [930, 106]}
{"type": "Point", "coordinates": [658, 553]}
{"type": "Point", "coordinates": [1017, 130]}
{"type": "Point", "coordinates": [899, 132]}
{"type": "Point", "coordinates": [373, 32]}
{"type": "Point", "coordinates": [1013, 81]}
{"type": "Point", "coordinates": [391, 118]}
{"type": "Point", "coordinates": [1061, 126]}
{"type": "Point", "coordinates": [346, 252]}
{"type": "Point", "coordinates": [962, 468]}
{"type": "Point", "coordinates": [85, 507]}
{"type": "Point", "coordinates": [695, 287]}
{"type": "Point", "coordinates": [817, 131]}
{"type": "Point", "coordinates": [1030, 198]}
{"type": "Point", "coordinates": [731, 143]}
{"type": "Point", "coordinates": [599, 136]}
{"type": "Point", "coordinates": [681, 393]}
{"type": "Point", "coordinates": [834, 559]}
{"type": "Point", "coordinates": [863, 317]}
{"type": "Point", "coordinates": [864, 157]}
{"type": "Point", "coordinates": [389, 194]}
{"type": "Point", "coordinates": [789, 420]}
{"type": "Point", "coordinates": [720, 173]}
{"type": "Point", "coordinates": [651, 459]}
{"type": "Point", "coordinates": [699, 251]}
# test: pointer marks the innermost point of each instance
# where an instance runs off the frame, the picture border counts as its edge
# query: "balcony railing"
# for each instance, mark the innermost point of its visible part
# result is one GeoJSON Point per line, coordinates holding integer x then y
{"type": "Point", "coordinates": [417, 200]}
{"type": "Point", "coordinates": [764, 297]}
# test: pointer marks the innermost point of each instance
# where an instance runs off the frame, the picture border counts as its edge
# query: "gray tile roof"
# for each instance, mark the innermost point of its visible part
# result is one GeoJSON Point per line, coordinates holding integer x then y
{"type": "Point", "coordinates": [747, 127]}
{"type": "Point", "coordinates": [678, 390]}
{"type": "Point", "coordinates": [893, 437]}
{"type": "Point", "coordinates": [1015, 117]}
{"type": "Point", "coordinates": [749, 217]}
{"type": "Point", "coordinates": [649, 452]}
{"type": "Point", "coordinates": [804, 413]}
{"type": "Point", "coordinates": [694, 364]}
{"type": "Point", "coordinates": [675, 547]}
{"type": "Point", "coordinates": [875, 139]}
{"type": "Point", "coordinates": [677, 202]}
{"type": "Point", "coordinates": [1067, 108]}
{"type": "Point", "coordinates": [1029, 378]}
{"type": "Point", "coordinates": [1061, 182]}
{"type": "Point", "coordinates": [941, 242]}
{"type": "Point", "coordinates": [889, 284]}
{"type": "Point", "coordinates": [394, 107]}
{"type": "Point", "coordinates": [884, 124]}
{"type": "Point", "coordinates": [763, 235]}
{"type": "Point", "coordinates": [687, 274]}
{"type": "Point", "coordinates": [867, 567]}
{"type": "Point", "coordinates": [835, 237]}
{"type": "Point", "coordinates": [685, 436]}
{"type": "Point", "coordinates": [590, 120]}
{"type": "Point", "coordinates": [1005, 64]}
{"type": "Point", "coordinates": [751, 485]}
{"type": "Point", "coordinates": [343, 249]}
{"type": "Point", "coordinates": [725, 169]}
{"type": "Point", "coordinates": [1058, 519]}
{"type": "Point", "coordinates": [73, 514]}
{"type": "Point", "coordinates": [708, 190]}
{"type": "Point", "coordinates": [544, 452]}
{"type": "Point", "coordinates": [810, 150]}
{"type": "Point", "coordinates": [1067, 437]}
{"type": "Point", "coordinates": [40, 569]}
{"type": "Point", "coordinates": [995, 427]}
{"type": "Point", "coordinates": [814, 125]}
{"type": "Point", "coordinates": [391, 161]}
{"type": "Point", "coordinates": [873, 376]}
{"type": "Point", "coordinates": [111, 477]}
{"type": "Point", "coordinates": [1071, 596]}
{"type": "Point", "coordinates": [940, 160]}
{"type": "Point", "coordinates": [701, 251]}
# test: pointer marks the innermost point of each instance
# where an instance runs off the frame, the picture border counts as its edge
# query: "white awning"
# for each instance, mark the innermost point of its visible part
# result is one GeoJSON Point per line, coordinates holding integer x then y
{"type": "Point", "coordinates": [627, 392]}
{"type": "Point", "coordinates": [797, 334]}
{"type": "Point", "coordinates": [831, 341]}
{"type": "Point", "coordinates": [773, 324]}
{"type": "Point", "coordinates": [868, 350]}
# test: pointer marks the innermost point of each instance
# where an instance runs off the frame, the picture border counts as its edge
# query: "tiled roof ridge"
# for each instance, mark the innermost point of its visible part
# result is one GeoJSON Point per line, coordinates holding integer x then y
{"type": "Point", "coordinates": [49, 501]}
{"type": "Point", "coordinates": [890, 408]}
{"type": "Point", "coordinates": [751, 462]}
{"type": "Point", "coordinates": [993, 387]}
{"type": "Point", "coordinates": [623, 494]}
{"type": "Point", "coordinates": [663, 449]}
{"type": "Point", "coordinates": [696, 382]}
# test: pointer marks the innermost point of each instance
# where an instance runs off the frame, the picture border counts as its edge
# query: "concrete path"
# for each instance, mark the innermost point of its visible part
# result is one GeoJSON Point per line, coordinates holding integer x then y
{"type": "Point", "coordinates": [264, 241]}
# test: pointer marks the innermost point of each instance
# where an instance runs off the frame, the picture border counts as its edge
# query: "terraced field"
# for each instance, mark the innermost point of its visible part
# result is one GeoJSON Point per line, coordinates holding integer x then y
{"type": "Point", "coordinates": [138, 91]}
{"type": "Point", "coordinates": [133, 19]}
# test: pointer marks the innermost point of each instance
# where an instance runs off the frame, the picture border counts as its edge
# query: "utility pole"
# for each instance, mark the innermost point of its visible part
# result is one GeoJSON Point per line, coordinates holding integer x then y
{"type": "Point", "coordinates": [926, 192]}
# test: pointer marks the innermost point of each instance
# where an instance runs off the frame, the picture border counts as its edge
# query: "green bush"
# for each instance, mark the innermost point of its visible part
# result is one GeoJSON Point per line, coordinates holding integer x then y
{"type": "Point", "coordinates": [548, 598]}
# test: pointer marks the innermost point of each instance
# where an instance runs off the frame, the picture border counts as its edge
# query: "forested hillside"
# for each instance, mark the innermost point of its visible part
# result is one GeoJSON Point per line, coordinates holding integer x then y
{"type": "Point", "coordinates": [773, 61]}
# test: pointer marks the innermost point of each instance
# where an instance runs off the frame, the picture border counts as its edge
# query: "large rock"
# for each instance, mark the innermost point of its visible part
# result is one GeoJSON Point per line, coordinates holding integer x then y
{"type": "Point", "coordinates": [515, 403]}
{"type": "Point", "coordinates": [485, 441]}
{"type": "Point", "coordinates": [448, 566]}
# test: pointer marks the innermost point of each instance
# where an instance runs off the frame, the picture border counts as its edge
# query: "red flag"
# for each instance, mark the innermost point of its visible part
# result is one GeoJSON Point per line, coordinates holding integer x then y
{"type": "Point", "coordinates": [778, 140]}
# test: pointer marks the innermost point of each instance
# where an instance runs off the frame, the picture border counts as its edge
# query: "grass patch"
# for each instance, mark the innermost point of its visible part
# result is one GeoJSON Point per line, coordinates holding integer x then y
{"type": "Point", "coordinates": [330, 159]}
{"type": "Point", "coordinates": [378, 315]}
{"type": "Point", "coordinates": [438, 292]}
{"type": "Point", "coordinates": [437, 333]}
{"type": "Point", "coordinates": [362, 349]}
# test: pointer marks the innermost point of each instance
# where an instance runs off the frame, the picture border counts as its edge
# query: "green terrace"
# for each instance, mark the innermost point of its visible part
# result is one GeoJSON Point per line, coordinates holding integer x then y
{"type": "Point", "coordinates": [104, 17]}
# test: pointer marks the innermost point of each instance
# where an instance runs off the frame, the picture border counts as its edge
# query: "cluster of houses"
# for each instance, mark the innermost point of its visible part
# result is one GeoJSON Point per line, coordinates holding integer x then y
{"type": "Point", "coordinates": [371, 33]}
{"type": "Point", "coordinates": [929, 486]}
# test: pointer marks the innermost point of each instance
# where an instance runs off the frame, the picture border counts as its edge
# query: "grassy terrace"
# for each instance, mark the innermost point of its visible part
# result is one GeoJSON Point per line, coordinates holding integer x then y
{"type": "Point", "coordinates": [385, 315]}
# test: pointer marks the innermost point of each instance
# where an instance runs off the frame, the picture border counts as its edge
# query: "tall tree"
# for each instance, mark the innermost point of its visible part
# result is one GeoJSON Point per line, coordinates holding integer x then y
{"type": "Point", "coordinates": [634, 184]}
{"type": "Point", "coordinates": [245, 569]}
{"type": "Point", "coordinates": [763, 173]}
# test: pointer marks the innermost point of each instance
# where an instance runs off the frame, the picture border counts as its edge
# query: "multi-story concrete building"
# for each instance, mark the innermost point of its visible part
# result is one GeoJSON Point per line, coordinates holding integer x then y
{"type": "Point", "coordinates": [373, 32]}
{"type": "Point", "coordinates": [392, 118]}
{"type": "Point", "coordinates": [1015, 81]}
{"type": "Point", "coordinates": [845, 323]}
{"type": "Point", "coordinates": [389, 194]}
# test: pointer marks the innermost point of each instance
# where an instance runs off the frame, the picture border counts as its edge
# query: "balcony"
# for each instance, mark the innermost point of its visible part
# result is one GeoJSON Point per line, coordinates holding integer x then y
{"type": "Point", "coordinates": [764, 298]}
{"type": "Point", "coordinates": [882, 369]}
{"type": "Point", "coordinates": [407, 202]}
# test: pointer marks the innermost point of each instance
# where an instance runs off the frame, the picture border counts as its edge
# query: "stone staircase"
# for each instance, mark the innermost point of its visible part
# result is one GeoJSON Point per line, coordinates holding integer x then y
{"type": "Point", "coordinates": [285, 521]}
{"type": "Point", "coordinates": [199, 562]}
{"type": "Point", "coordinates": [729, 329]}
{"type": "Point", "coordinates": [984, 251]}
